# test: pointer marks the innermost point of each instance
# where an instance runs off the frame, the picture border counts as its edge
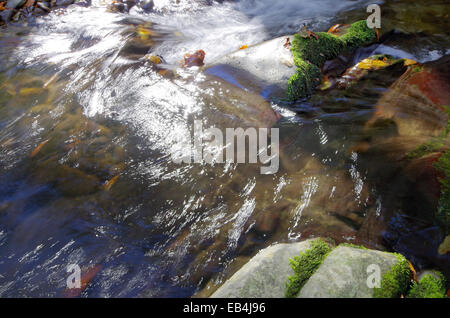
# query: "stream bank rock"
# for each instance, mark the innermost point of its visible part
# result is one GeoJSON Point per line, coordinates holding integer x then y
{"type": "Point", "coordinates": [344, 273]}
{"type": "Point", "coordinates": [265, 275]}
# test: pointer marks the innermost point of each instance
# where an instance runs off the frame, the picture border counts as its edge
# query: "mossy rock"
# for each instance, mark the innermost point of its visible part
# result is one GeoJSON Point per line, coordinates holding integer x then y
{"type": "Point", "coordinates": [431, 285]}
{"type": "Point", "coordinates": [310, 53]}
{"type": "Point", "coordinates": [395, 282]}
{"type": "Point", "coordinates": [344, 273]}
{"type": "Point", "coordinates": [305, 265]}
{"type": "Point", "coordinates": [265, 275]}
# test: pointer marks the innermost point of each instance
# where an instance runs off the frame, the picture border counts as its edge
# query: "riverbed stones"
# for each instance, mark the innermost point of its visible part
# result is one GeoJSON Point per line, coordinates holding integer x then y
{"type": "Point", "coordinates": [344, 273]}
{"type": "Point", "coordinates": [265, 275]}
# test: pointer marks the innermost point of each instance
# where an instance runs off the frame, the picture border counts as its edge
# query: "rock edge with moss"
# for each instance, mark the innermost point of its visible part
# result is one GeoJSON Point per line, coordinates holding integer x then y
{"type": "Point", "coordinates": [310, 54]}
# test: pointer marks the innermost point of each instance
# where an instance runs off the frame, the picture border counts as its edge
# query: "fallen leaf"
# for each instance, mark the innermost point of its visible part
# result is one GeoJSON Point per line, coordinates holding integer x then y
{"type": "Point", "coordinates": [310, 33]}
{"type": "Point", "coordinates": [29, 3]}
{"type": "Point", "coordinates": [38, 148]}
{"type": "Point", "coordinates": [334, 28]}
{"type": "Point", "coordinates": [408, 62]}
{"type": "Point", "coordinates": [86, 278]}
{"type": "Point", "coordinates": [154, 59]}
{"type": "Point", "coordinates": [245, 46]}
{"type": "Point", "coordinates": [195, 59]}
{"type": "Point", "coordinates": [305, 33]}
{"type": "Point", "coordinates": [287, 44]}
{"type": "Point", "coordinates": [371, 64]}
{"type": "Point", "coordinates": [108, 185]}
{"type": "Point", "coordinates": [2, 6]}
{"type": "Point", "coordinates": [326, 83]}
{"type": "Point", "coordinates": [378, 35]}
{"type": "Point", "coordinates": [413, 272]}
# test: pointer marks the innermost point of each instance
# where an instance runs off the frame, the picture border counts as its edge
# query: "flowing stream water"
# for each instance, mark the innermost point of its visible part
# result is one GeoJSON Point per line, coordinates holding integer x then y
{"type": "Point", "coordinates": [86, 130]}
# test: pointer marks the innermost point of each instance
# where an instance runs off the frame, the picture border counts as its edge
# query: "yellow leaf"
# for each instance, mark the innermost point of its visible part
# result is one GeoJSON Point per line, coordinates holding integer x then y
{"type": "Point", "coordinates": [408, 62]}
{"type": "Point", "coordinates": [369, 64]}
{"type": "Point", "coordinates": [154, 59]}
{"type": "Point", "coordinates": [245, 46]}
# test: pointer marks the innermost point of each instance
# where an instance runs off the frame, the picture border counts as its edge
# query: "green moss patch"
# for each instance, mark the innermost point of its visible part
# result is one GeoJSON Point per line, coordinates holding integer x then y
{"type": "Point", "coordinates": [310, 54]}
{"type": "Point", "coordinates": [305, 265]}
{"type": "Point", "coordinates": [443, 213]}
{"type": "Point", "coordinates": [395, 282]}
{"type": "Point", "coordinates": [430, 286]}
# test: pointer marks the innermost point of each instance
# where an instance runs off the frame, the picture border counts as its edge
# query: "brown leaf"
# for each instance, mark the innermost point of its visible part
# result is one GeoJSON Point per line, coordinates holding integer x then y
{"type": "Point", "coordinates": [287, 44]}
{"type": "Point", "coordinates": [195, 59]}
{"type": "Point", "coordinates": [312, 34]}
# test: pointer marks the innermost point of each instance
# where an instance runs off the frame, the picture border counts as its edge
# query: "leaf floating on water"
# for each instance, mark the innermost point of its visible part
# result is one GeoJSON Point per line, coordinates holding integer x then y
{"type": "Point", "coordinates": [108, 185]}
{"type": "Point", "coordinates": [195, 59]}
{"type": "Point", "coordinates": [245, 46]}
{"type": "Point", "coordinates": [86, 278]}
{"type": "Point", "coordinates": [2, 6]}
{"type": "Point", "coordinates": [38, 148]}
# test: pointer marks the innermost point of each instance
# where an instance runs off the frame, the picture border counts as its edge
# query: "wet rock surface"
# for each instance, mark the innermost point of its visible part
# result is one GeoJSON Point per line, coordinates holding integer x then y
{"type": "Point", "coordinates": [265, 275]}
{"type": "Point", "coordinates": [344, 273]}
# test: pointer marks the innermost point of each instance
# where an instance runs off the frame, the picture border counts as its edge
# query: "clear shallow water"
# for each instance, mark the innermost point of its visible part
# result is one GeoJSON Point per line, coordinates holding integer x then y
{"type": "Point", "coordinates": [102, 191]}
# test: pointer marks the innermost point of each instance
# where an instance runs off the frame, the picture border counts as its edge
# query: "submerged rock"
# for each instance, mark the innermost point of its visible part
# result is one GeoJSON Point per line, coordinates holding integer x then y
{"type": "Point", "coordinates": [415, 102]}
{"type": "Point", "coordinates": [263, 68]}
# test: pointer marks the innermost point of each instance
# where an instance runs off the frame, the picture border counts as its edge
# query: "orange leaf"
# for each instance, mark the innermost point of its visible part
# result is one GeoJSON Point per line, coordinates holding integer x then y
{"type": "Point", "coordinates": [86, 278]}
{"type": "Point", "coordinates": [245, 46]}
{"type": "Point", "coordinates": [108, 185]}
{"type": "Point", "coordinates": [334, 28]}
{"type": "Point", "coordinates": [38, 148]}
{"type": "Point", "coordinates": [413, 272]}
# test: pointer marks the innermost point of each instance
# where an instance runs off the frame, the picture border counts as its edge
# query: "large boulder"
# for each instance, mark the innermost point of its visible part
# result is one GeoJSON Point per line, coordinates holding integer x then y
{"type": "Point", "coordinates": [344, 273]}
{"type": "Point", "coordinates": [265, 275]}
